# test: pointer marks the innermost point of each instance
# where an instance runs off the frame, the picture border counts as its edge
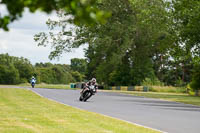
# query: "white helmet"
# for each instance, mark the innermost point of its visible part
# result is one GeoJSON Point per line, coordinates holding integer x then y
{"type": "Point", "coordinates": [94, 80]}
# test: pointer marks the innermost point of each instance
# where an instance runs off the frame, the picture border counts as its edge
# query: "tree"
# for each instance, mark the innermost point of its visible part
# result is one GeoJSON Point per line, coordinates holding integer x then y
{"type": "Point", "coordinates": [121, 51]}
{"type": "Point", "coordinates": [53, 73]}
{"type": "Point", "coordinates": [15, 70]}
{"type": "Point", "coordinates": [187, 17]}
{"type": "Point", "coordinates": [124, 47]}
{"type": "Point", "coordinates": [77, 76]}
{"type": "Point", "coordinates": [25, 69]}
{"type": "Point", "coordinates": [83, 11]}
{"type": "Point", "coordinates": [195, 83]}
{"type": "Point", "coordinates": [79, 65]}
{"type": "Point", "coordinates": [9, 75]}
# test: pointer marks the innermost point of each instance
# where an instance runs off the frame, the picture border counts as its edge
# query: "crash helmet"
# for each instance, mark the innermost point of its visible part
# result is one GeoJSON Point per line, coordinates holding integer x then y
{"type": "Point", "coordinates": [94, 80]}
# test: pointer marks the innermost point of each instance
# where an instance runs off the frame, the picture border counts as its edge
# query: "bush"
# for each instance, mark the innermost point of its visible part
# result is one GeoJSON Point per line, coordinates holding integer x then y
{"type": "Point", "coordinates": [180, 83]}
{"type": "Point", "coordinates": [169, 89]}
{"type": "Point", "coordinates": [157, 86]}
{"type": "Point", "coordinates": [195, 84]}
{"type": "Point", "coordinates": [152, 82]}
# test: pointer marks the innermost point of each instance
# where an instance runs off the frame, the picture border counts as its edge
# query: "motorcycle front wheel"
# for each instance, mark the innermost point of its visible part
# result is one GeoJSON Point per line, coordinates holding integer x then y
{"type": "Point", "coordinates": [87, 96]}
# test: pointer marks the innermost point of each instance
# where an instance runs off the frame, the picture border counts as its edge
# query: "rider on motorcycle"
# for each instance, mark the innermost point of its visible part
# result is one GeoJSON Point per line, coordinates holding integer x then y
{"type": "Point", "coordinates": [33, 80]}
{"type": "Point", "coordinates": [89, 83]}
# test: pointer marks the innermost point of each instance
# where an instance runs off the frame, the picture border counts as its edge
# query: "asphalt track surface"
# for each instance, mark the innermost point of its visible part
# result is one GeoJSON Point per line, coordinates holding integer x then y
{"type": "Point", "coordinates": [166, 116]}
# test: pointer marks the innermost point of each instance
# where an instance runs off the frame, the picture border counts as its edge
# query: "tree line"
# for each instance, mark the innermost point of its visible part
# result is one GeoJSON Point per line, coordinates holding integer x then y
{"type": "Point", "coordinates": [155, 41]}
{"type": "Point", "coordinates": [16, 70]}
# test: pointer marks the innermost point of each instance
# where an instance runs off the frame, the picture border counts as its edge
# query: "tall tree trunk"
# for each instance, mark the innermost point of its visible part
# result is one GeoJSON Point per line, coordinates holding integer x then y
{"type": "Point", "coordinates": [183, 76]}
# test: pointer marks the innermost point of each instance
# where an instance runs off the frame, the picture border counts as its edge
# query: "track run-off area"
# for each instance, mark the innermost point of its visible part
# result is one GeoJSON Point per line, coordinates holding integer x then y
{"type": "Point", "coordinates": [171, 117]}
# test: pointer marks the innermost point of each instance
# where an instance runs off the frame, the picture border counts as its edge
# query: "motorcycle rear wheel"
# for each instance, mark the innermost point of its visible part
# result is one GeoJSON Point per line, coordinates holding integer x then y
{"type": "Point", "coordinates": [80, 98]}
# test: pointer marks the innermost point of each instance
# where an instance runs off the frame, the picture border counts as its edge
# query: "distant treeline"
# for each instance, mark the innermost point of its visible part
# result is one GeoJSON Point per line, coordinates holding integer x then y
{"type": "Point", "coordinates": [15, 70]}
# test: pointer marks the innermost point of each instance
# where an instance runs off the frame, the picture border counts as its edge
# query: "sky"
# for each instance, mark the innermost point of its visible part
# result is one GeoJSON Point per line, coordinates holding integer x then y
{"type": "Point", "coordinates": [19, 40]}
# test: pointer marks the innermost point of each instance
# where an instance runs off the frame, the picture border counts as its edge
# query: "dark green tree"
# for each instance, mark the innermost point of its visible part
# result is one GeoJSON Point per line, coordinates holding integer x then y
{"type": "Point", "coordinates": [53, 73]}
{"type": "Point", "coordinates": [77, 76]}
{"type": "Point", "coordinates": [195, 83]}
{"type": "Point", "coordinates": [9, 75]}
{"type": "Point", "coordinates": [25, 68]}
{"type": "Point", "coordinates": [79, 65]}
{"type": "Point", "coordinates": [186, 25]}
{"type": "Point", "coordinates": [121, 51]}
{"type": "Point", "coordinates": [14, 69]}
{"type": "Point", "coordinates": [187, 17]}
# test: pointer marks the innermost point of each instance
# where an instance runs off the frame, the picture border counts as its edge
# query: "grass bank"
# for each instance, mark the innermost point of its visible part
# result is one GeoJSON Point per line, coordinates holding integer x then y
{"type": "Point", "coordinates": [167, 89]}
{"type": "Point", "coordinates": [176, 97]}
{"type": "Point", "coordinates": [23, 111]}
{"type": "Point", "coordinates": [53, 86]}
{"type": "Point", "coordinates": [42, 85]}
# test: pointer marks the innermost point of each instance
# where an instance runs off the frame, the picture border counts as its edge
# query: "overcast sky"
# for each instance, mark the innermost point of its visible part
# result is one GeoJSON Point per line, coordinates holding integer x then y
{"type": "Point", "coordinates": [19, 40]}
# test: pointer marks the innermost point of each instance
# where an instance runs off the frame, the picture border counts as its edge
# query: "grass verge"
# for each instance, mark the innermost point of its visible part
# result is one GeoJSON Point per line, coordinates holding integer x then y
{"type": "Point", "coordinates": [53, 86]}
{"type": "Point", "coordinates": [167, 89]}
{"type": "Point", "coordinates": [23, 111]}
{"type": "Point", "coordinates": [176, 97]}
{"type": "Point", "coordinates": [42, 85]}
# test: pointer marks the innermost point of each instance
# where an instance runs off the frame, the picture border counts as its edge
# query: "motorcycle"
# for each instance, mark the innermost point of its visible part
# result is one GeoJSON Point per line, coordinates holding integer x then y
{"type": "Point", "coordinates": [33, 84]}
{"type": "Point", "coordinates": [88, 92]}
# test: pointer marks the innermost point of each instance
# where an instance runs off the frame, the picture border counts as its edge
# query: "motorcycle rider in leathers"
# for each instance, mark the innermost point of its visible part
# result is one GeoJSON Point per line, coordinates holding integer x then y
{"type": "Point", "coordinates": [89, 83]}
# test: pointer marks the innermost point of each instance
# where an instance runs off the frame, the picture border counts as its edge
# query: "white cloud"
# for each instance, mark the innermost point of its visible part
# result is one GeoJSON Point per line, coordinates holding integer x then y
{"type": "Point", "coordinates": [3, 10]}
{"type": "Point", "coordinates": [19, 40]}
{"type": "Point", "coordinates": [3, 45]}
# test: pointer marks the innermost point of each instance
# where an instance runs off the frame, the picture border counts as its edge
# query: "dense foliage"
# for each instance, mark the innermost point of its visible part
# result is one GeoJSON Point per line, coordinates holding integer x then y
{"type": "Point", "coordinates": [121, 51]}
{"type": "Point", "coordinates": [14, 70]}
{"type": "Point", "coordinates": [187, 26]}
{"type": "Point", "coordinates": [83, 11]}
{"type": "Point", "coordinates": [143, 41]}
{"type": "Point", "coordinates": [195, 84]}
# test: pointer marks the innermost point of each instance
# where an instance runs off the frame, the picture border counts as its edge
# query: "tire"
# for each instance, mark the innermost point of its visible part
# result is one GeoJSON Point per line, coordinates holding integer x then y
{"type": "Point", "coordinates": [80, 98]}
{"type": "Point", "coordinates": [85, 100]}
{"type": "Point", "coordinates": [85, 96]}
{"type": "Point", "coordinates": [33, 85]}
{"type": "Point", "coordinates": [89, 94]}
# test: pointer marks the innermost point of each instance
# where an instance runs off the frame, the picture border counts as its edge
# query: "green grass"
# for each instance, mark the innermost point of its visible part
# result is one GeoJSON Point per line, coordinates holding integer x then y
{"type": "Point", "coordinates": [168, 89]}
{"type": "Point", "coordinates": [176, 97]}
{"type": "Point", "coordinates": [22, 111]}
{"type": "Point", "coordinates": [42, 85]}
{"type": "Point", "coordinates": [53, 86]}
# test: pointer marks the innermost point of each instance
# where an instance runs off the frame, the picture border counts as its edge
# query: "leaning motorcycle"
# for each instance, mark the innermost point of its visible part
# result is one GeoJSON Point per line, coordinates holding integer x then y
{"type": "Point", "coordinates": [88, 92]}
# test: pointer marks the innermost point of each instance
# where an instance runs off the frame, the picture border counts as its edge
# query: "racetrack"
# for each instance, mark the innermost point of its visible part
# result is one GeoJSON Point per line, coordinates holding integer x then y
{"type": "Point", "coordinates": [166, 116]}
